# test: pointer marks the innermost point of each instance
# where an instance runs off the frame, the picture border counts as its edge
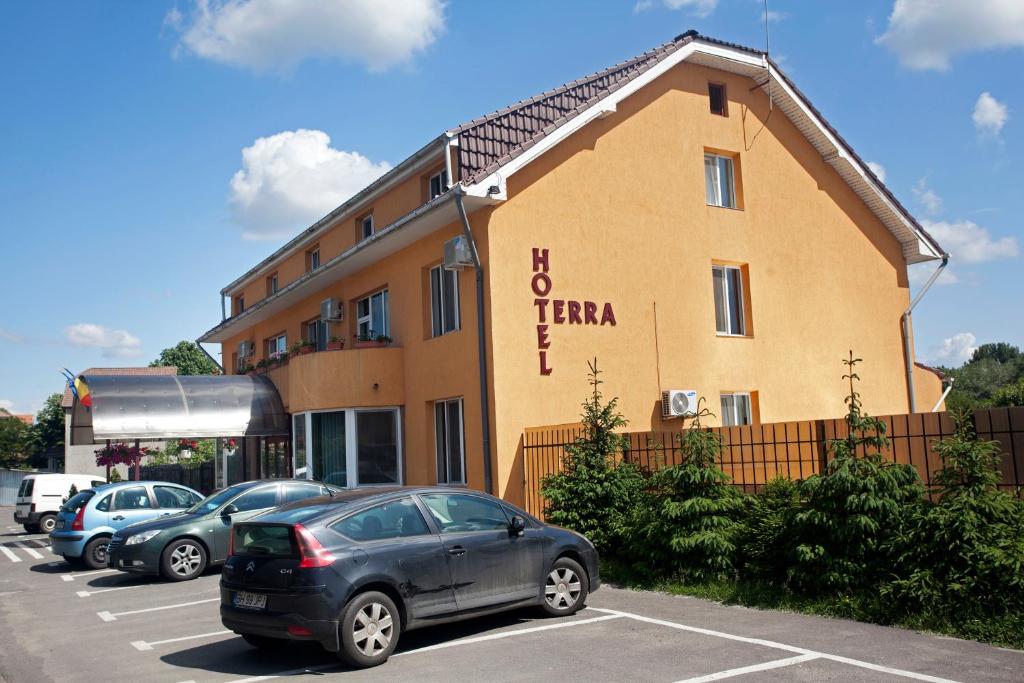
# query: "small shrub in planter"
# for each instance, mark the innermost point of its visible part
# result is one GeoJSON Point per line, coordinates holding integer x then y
{"type": "Point", "coordinates": [335, 344]}
{"type": "Point", "coordinates": [302, 347]}
{"type": "Point", "coordinates": [262, 365]}
{"type": "Point", "coordinates": [364, 341]}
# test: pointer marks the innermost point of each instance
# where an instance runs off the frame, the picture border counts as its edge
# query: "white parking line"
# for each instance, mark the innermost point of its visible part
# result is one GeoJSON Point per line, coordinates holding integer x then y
{"type": "Point", "coordinates": [780, 646]}
{"type": "Point", "coordinates": [142, 645]}
{"type": "Point", "coordinates": [85, 594]}
{"type": "Point", "coordinates": [9, 553]}
{"type": "Point", "coordinates": [108, 616]}
{"type": "Point", "coordinates": [754, 668]}
{"type": "Point", "coordinates": [30, 550]}
{"type": "Point", "coordinates": [71, 577]}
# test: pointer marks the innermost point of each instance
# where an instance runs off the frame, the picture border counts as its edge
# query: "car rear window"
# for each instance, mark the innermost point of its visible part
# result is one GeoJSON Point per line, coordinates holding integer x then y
{"type": "Point", "coordinates": [27, 484]}
{"type": "Point", "coordinates": [78, 500]}
{"type": "Point", "coordinates": [265, 540]}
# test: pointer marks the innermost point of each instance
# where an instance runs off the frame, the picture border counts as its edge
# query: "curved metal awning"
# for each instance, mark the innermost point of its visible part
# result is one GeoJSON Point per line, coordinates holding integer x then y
{"type": "Point", "coordinates": [155, 407]}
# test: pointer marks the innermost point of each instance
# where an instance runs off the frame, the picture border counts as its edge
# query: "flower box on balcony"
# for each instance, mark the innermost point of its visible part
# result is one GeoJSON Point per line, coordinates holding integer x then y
{"type": "Point", "coordinates": [336, 345]}
{"type": "Point", "coordinates": [371, 343]}
{"type": "Point", "coordinates": [306, 348]}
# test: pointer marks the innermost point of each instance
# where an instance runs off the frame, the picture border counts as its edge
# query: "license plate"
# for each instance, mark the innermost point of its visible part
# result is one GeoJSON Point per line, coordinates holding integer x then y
{"type": "Point", "coordinates": [60, 523]}
{"type": "Point", "coordinates": [250, 600]}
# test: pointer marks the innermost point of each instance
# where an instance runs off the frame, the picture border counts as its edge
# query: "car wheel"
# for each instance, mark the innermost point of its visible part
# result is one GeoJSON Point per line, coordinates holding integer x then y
{"type": "Point", "coordinates": [31, 528]}
{"type": "Point", "coordinates": [369, 629]}
{"type": "Point", "coordinates": [95, 553]}
{"type": "Point", "coordinates": [183, 559]}
{"type": "Point", "coordinates": [565, 588]}
{"type": "Point", "coordinates": [264, 642]}
{"type": "Point", "coordinates": [47, 523]}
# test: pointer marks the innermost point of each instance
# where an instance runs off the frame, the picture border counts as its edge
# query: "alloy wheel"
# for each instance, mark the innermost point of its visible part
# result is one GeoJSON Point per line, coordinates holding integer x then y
{"type": "Point", "coordinates": [99, 554]}
{"type": "Point", "coordinates": [185, 559]}
{"type": "Point", "coordinates": [48, 524]}
{"type": "Point", "coordinates": [372, 629]}
{"type": "Point", "coordinates": [562, 589]}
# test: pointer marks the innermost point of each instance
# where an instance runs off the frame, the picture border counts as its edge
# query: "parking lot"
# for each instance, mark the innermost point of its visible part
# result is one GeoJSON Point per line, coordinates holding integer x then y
{"type": "Point", "coordinates": [63, 624]}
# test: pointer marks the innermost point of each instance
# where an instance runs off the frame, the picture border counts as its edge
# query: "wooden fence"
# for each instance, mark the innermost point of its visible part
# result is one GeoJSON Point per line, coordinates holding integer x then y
{"type": "Point", "coordinates": [754, 454]}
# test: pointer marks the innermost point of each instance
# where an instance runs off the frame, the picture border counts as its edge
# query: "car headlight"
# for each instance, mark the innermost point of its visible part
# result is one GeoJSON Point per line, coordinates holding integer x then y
{"type": "Point", "coordinates": [141, 538]}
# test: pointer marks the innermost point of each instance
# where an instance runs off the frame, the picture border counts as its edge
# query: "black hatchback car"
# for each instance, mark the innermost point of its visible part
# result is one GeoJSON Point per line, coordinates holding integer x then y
{"type": "Point", "coordinates": [355, 570]}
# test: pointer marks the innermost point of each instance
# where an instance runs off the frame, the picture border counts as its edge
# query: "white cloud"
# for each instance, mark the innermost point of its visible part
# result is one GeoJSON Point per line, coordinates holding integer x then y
{"type": "Point", "coordinates": [7, 335]}
{"type": "Point", "coordinates": [955, 350]}
{"type": "Point", "coordinates": [877, 169]}
{"type": "Point", "coordinates": [968, 242]}
{"type": "Point", "coordinates": [989, 115]}
{"type": "Point", "coordinates": [773, 16]}
{"type": "Point", "coordinates": [699, 8]}
{"type": "Point", "coordinates": [275, 35]}
{"type": "Point", "coordinates": [919, 273]}
{"type": "Point", "coordinates": [7, 404]}
{"type": "Point", "coordinates": [114, 343]}
{"type": "Point", "coordinates": [927, 197]}
{"type": "Point", "coordinates": [289, 180]}
{"type": "Point", "coordinates": [927, 34]}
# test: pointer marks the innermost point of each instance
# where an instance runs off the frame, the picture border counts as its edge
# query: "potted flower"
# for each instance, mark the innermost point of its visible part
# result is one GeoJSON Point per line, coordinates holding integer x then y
{"type": "Point", "coordinates": [304, 346]}
{"type": "Point", "coordinates": [372, 341]}
{"type": "Point", "coordinates": [335, 344]}
{"type": "Point", "coordinates": [262, 365]}
{"type": "Point", "coordinates": [279, 360]}
{"type": "Point", "coordinates": [245, 368]}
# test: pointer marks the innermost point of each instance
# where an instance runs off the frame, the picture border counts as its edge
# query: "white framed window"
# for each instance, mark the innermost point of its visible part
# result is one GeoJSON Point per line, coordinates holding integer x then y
{"type": "Point", "coordinates": [730, 317]}
{"type": "Point", "coordinates": [450, 441]}
{"type": "Point", "coordinates": [438, 184]}
{"type": "Point", "coordinates": [719, 183]}
{"type": "Point", "coordinates": [277, 345]}
{"type": "Point", "coordinates": [736, 409]}
{"type": "Point", "coordinates": [351, 447]}
{"type": "Point", "coordinates": [444, 300]}
{"type": "Point", "coordinates": [366, 226]}
{"type": "Point", "coordinates": [314, 259]}
{"type": "Point", "coordinates": [372, 316]}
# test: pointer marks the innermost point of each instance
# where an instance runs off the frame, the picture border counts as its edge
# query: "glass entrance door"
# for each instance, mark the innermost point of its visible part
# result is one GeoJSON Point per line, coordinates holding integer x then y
{"type": "Point", "coordinates": [329, 447]}
{"type": "Point", "coordinates": [356, 447]}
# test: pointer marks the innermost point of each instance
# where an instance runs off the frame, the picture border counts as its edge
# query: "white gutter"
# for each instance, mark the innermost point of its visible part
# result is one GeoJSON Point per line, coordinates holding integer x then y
{"type": "Point", "coordinates": [908, 351]}
{"type": "Point", "coordinates": [949, 388]}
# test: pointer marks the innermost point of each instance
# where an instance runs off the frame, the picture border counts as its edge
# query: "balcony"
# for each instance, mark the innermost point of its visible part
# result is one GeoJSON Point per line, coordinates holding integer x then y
{"type": "Point", "coordinates": [349, 378]}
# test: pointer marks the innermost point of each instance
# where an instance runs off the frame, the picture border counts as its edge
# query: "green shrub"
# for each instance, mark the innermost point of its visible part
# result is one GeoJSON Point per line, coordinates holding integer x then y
{"type": "Point", "coordinates": [1010, 395]}
{"type": "Point", "coordinates": [764, 548]}
{"type": "Point", "coordinates": [963, 556]}
{"type": "Point", "coordinates": [689, 525]}
{"type": "Point", "coordinates": [854, 513]}
{"type": "Point", "coordinates": [595, 492]}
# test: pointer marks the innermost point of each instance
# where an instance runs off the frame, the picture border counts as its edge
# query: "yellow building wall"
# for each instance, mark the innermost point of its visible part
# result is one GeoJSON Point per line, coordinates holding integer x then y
{"type": "Point", "coordinates": [620, 207]}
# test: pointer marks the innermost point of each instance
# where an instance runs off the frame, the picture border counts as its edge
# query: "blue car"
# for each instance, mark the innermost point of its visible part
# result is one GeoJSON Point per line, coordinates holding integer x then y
{"type": "Point", "coordinates": [87, 521]}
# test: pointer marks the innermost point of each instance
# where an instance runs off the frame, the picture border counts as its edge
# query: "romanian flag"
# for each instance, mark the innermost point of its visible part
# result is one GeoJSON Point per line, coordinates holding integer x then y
{"type": "Point", "coordinates": [79, 388]}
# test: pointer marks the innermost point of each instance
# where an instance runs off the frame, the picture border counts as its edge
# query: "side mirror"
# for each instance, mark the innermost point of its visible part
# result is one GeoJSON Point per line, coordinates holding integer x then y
{"type": "Point", "coordinates": [228, 510]}
{"type": "Point", "coordinates": [518, 525]}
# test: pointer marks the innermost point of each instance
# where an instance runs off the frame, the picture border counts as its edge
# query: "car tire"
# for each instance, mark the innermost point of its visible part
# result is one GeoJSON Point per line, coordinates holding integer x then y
{"type": "Point", "coordinates": [31, 528]}
{"type": "Point", "coordinates": [183, 560]}
{"type": "Point", "coordinates": [566, 587]}
{"type": "Point", "coordinates": [370, 626]}
{"type": "Point", "coordinates": [264, 642]}
{"type": "Point", "coordinates": [47, 523]}
{"type": "Point", "coordinates": [94, 555]}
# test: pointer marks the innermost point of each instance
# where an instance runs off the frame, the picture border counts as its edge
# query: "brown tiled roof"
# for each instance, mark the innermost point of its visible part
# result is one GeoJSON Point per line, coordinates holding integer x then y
{"type": "Point", "coordinates": [490, 141]}
{"type": "Point", "coordinates": [68, 400]}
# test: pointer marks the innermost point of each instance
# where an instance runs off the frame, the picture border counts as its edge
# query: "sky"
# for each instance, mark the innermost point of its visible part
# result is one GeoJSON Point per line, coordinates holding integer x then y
{"type": "Point", "coordinates": [154, 151]}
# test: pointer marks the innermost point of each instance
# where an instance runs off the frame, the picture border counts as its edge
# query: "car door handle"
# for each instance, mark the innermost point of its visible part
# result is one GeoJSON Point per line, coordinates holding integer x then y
{"type": "Point", "coordinates": [457, 550]}
{"type": "Point", "coordinates": [118, 518]}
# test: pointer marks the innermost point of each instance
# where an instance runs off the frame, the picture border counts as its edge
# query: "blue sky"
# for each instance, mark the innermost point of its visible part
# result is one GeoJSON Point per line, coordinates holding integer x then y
{"type": "Point", "coordinates": [126, 201]}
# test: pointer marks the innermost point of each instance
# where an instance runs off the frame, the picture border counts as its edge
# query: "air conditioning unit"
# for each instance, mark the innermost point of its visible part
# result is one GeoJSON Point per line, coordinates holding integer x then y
{"type": "Point", "coordinates": [332, 310]}
{"type": "Point", "coordinates": [678, 403]}
{"type": "Point", "coordinates": [457, 253]}
{"type": "Point", "coordinates": [246, 349]}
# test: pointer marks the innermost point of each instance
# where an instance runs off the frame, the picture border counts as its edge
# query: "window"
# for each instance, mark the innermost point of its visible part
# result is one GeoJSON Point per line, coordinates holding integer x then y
{"type": "Point", "coordinates": [263, 497]}
{"type": "Point", "coordinates": [449, 440]}
{"type": "Point", "coordinates": [444, 300]}
{"type": "Point", "coordinates": [134, 498]}
{"type": "Point", "coordinates": [239, 304]}
{"type": "Point", "coordinates": [438, 184]}
{"type": "Point", "coordinates": [313, 258]}
{"type": "Point", "coordinates": [316, 333]}
{"type": "Point", "coordinates": [736, 409]}
{"type": "Point", "coordinates": [174, 497]}
{"type": "Point", "coordinates": [104, 505]}
{"type": "Point", "coordinates": [277, 345]}
{"type": "Point", "coordinates": [730, 317]}
{"type": "Point", "coordinates": [295, 492]}
{"type": "Point", "coordinates": [330, 448]}
{"type": "Point", "coordinates": [719, 183]}
{"type": "Point", "coordinates": [299, 445]}
{"type": "Point", "coordinates": [372, 316]}
{"type": "Point", "coordinates": [455, 512]}
{"type": "Point", "coordinates": [366, 227]}
{"type": "Point", "coordinates": [391, 520]}
{"type": "Point", "coordinates": [377, 446]}
{"type": "Point", "coordinates": [356, 447]}
{"type": "Point", "coordinates": [716, 97]}
{"type": "Point", "coordinates": [272, 285]}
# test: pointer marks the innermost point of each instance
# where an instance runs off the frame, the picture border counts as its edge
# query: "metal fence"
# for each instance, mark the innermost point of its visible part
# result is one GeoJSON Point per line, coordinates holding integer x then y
{"type": "Point", "coordinates": [198, 476]}
{"type": "Point", "coordinates": [10, 482]}
{"type": "Point", "coordinates": [754, 454]}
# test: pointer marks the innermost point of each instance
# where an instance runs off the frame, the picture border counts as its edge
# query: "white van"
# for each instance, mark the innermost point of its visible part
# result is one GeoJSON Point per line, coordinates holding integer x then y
{"type": "Point", "coordinates": [41, 496]}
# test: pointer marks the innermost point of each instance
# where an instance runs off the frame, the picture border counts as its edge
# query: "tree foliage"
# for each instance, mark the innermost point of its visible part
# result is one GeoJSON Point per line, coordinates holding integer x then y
{"type": "Point", "coordinates": [14, 435]}
{"type": "Point", "coordinates": [47, 431]}
{"type": "Point", "coordinates": [188, 358]}
{"type": "Point", "coordinates": [979, 382]}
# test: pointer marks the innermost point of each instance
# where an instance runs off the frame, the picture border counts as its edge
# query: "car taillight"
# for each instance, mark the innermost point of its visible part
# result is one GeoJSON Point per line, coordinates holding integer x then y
{"type": "Point", "coordinates": [231, 543]}
{"type": "Point", "coordinates": [313, 554]}
{"type": "Point", "coordinates": [79, 524]}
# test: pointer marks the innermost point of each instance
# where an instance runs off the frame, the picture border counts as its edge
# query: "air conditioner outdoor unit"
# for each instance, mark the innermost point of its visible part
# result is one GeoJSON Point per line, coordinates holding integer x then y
{"type": "Point", "coordinates": [246, 349]}
{"type": "Point", "coordinates": [678, 403]}
{"type": "Point", "coordinates": [332, 310]}
{"type": "Point", "coordinates": [457, 253]}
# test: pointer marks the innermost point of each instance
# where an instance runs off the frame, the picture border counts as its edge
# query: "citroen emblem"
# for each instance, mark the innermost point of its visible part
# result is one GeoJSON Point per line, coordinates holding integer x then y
{"type": "Point", "coordinates": [251, 567]}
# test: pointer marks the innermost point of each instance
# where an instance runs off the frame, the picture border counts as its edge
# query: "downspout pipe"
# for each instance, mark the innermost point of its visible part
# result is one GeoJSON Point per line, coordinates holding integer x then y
{"type": "Point", "coordinates": [908, 352]}
{"type": "Point", "coordinates": [949, 388]}
{"type": "Point", "coordinates": [485, 404]}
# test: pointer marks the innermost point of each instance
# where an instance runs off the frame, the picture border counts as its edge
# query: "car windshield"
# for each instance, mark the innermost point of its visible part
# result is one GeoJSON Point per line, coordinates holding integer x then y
{"type": "Point", "coordinates": [211, 503]}
{"type": "Point", "coordinates": [78, 500]}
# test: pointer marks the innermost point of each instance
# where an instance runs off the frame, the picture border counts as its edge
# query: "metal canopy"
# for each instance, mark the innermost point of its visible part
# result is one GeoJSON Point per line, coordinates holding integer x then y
{"type": "Point", "coordinates": [127, 407]}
